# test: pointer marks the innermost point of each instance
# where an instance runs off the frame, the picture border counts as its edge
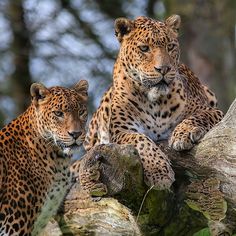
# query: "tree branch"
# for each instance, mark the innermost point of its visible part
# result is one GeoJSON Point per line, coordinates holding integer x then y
{"type": "Point", "coordinates": [204, 191]}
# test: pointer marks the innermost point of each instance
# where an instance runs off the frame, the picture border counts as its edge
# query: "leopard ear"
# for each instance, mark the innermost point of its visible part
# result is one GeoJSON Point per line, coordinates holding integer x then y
{"type": "Point", "coordinates": [82, 88]}
{"type": "Point", "coordinates": [38, 93]}
{"type": "Point", "coordinates": [173, 22]}
{"type": "Point", "coordinates": [123, 26]}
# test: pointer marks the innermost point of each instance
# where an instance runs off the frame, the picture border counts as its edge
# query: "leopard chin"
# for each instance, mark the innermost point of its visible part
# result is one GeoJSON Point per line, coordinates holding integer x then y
{"type": "Point", "coordinates": [71, 149]}
{"type": "Point", "coordinates": [155, 93]}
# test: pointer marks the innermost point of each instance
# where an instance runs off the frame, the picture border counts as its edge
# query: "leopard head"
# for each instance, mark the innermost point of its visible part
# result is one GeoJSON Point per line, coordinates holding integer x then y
{"type": "Point", "coordinates": [61, 114]}
{"type": "Point", "coordinates": [149, 50]}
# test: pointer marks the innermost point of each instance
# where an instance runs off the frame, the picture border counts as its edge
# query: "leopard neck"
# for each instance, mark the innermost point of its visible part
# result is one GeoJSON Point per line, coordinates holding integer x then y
{"type": "Point", "coordinates": [28, 123]}
{"type": "Point", "coordinates": [30, 131]}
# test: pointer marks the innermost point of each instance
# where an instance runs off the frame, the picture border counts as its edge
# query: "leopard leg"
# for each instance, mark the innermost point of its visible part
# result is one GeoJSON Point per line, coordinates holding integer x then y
{"type": "Point", "coordinates": [98, 132]}
{"type": "Point", "coordinates": [192, 129]}
{"type": "Point", "coordinates": [157, 169]}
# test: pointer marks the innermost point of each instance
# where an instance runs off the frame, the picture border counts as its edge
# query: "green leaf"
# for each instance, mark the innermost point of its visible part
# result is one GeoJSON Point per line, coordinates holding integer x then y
{"type": "Point", "coordinates": [203, 232]}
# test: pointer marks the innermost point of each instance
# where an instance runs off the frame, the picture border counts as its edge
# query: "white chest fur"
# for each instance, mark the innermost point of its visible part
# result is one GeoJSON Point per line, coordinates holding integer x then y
{"type": "Point", "coordinates": [160, 117]}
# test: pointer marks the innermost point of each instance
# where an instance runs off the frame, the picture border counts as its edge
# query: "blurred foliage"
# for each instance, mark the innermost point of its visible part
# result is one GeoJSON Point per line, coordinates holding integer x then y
{"type": "Point", "coordinates": [58, 42]}
{"type": "Point", "coordinates": [208, 43]}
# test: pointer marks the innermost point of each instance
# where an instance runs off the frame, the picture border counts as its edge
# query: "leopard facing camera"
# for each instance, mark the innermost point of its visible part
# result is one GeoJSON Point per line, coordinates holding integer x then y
{"type": "Point", "coordinates": [153, 97]}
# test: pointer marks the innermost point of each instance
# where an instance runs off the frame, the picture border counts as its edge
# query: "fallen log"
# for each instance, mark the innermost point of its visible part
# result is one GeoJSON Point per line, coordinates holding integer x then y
{"type": "Point", "coordinates": [204, 193]}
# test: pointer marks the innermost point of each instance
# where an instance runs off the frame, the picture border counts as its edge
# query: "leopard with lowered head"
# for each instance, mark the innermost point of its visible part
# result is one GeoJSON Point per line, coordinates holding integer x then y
{"type": "Point", "coordinates": [35, 151]}
{"type": "Point", "coordinates": [153, 97]}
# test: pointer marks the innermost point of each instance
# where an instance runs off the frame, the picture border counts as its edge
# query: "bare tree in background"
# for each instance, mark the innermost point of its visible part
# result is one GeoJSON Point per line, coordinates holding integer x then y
{"type": "Point", "coordinates": [60, 42]}
{"type": "Point", "coordinates": [20, 80]}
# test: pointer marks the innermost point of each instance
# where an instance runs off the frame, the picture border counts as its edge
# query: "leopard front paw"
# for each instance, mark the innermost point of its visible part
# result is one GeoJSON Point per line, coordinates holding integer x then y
{"type": "Point", "coordinates": [91, 174]}
{"type": "Point", "coordinates": [160, 176]}
{"type": "Point", "coordinates": [89, 181]}
{"type": "Point", "coordinates": [89, 177]}
{"type": "Point", "coordinates": [183, 139]}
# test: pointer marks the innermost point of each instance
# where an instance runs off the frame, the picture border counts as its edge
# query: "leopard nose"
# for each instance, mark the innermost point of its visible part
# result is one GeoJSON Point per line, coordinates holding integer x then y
{"type": "Point", "coordinates": [163, 69]}
{"type": "Point", "coordinates": [75, 134]}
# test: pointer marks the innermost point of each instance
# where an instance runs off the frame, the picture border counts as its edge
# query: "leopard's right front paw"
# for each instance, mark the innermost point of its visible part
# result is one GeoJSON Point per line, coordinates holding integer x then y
{"type": "Point", "coordinates": [90, 183]}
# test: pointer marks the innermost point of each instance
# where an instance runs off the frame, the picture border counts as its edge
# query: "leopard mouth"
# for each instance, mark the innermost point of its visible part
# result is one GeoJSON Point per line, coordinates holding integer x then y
{"type": "Point", "coordinates": [69, 148]}
{"type": "Point", "coordinates": [162, 84]}
{"type": "Point", "coordinates": [158, 90]}
{"type": "Point", "coordinates": [73, 146]}
{"type": "Point", "coordinates": [159, 84]}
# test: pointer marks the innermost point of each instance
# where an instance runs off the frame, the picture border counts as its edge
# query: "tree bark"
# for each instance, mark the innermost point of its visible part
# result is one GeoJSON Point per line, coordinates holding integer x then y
{"type": "Point", "coordinates": [204, 192]}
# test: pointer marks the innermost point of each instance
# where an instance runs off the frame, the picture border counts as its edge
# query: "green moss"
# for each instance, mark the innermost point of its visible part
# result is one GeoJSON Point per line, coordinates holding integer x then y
{"type": "Point", "coordinates": [203, 232]}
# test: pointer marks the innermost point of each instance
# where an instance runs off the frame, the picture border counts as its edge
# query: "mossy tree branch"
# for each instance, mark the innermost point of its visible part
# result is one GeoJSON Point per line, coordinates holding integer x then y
{"type": "Point", "coordinates": [204, 191]}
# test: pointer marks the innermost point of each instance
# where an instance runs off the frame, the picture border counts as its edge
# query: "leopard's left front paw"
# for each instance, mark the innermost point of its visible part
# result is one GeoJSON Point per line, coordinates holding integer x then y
{"type": "Point", "coordinates": [89, 180]}
{"type": "Point", "coordinates": [184, 139]}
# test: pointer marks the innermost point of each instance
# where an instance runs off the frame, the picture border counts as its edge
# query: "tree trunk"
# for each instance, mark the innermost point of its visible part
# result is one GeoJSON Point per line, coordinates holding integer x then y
{"type": "Point", "coordinates": [20, 79]}
{"type": "Point", "coordinates": [204, 192]}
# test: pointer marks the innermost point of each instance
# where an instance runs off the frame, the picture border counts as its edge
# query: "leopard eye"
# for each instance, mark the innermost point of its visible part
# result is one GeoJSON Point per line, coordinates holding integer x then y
{"type": "Point", "coordinates": [58, 113]}
{"type": "Point", "coordinates": [170, 46]}
{"type": "Point", "coordinates": [144, 48]}
{"type": "Point", "coordinates": [81, 112]}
